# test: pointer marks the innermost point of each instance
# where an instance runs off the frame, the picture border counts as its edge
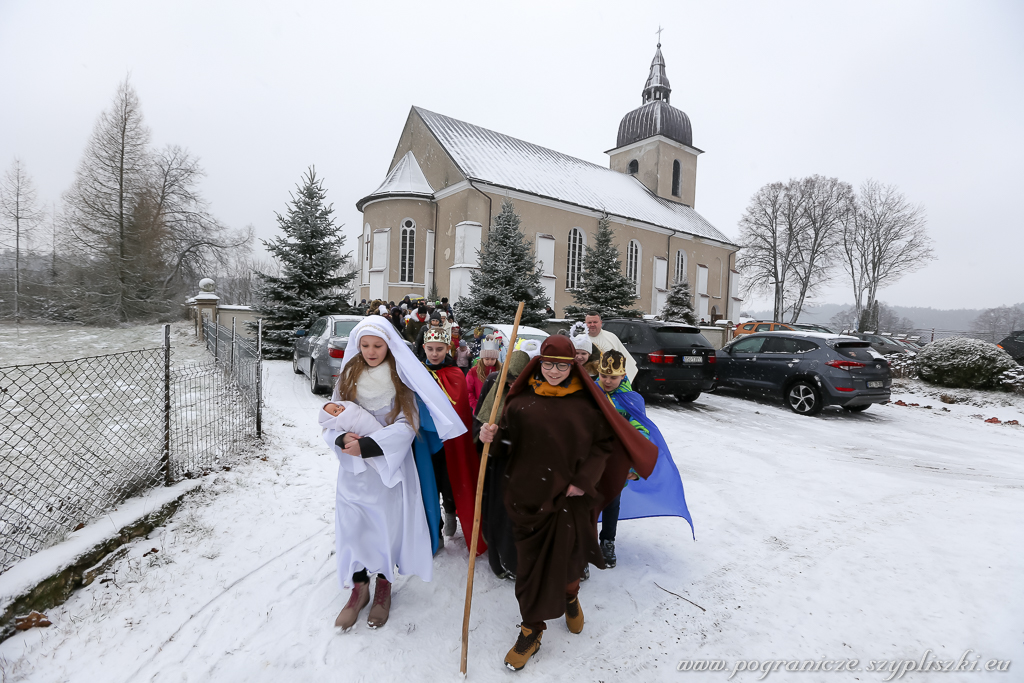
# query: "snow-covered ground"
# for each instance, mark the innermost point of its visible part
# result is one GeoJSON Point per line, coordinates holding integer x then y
{"type": "Point", "coordinates": [41, 343]}
{"type": "Point", "coordinates": [881, 535]}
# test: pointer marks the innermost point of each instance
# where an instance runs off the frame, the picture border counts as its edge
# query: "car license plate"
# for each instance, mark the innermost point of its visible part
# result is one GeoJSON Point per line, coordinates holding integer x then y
{"type": "Point", "coordinates": [875, 385]}
{"type": "Point", "coordinates": [693, 359]}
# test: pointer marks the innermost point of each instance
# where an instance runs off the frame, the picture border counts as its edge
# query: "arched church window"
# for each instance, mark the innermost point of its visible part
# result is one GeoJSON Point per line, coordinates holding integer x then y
{"type": "Point", "coordinates": [633, 263]}
{"type": "Point", "coordinates": [675, 178]}
{"type": "Point", "coordinates": [634, 167]}
{"type": "Point", "coordinates": [407, 253]}
{"type": "Point", "coordinates": [574, 265]}
{"type": "Point", "coordinates": [680, 274]}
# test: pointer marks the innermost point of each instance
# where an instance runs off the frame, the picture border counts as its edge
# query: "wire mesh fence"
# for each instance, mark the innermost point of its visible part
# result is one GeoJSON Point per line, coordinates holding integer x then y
{"type": "Point", "coordinates": [79, 437]}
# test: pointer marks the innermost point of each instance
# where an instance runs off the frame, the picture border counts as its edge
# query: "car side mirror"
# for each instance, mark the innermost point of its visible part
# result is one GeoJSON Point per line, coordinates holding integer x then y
{"type": "Point", "coordinates": [300, 333]}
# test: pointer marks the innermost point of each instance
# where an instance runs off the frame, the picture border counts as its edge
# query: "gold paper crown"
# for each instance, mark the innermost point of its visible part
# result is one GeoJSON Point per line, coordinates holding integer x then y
{"type": "Point", "coordinates": [437, 334]}
{"type": "Point", "coordinates": [612, 363]}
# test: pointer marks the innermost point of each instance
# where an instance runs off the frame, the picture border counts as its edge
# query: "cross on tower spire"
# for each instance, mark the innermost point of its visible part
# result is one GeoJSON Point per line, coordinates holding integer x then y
{"type": "Point", "coordinates": [660, 29]}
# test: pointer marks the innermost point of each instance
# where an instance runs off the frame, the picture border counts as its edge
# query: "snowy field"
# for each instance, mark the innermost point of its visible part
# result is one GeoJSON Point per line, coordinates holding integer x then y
{"type": "Point", "coordinates": [881, 535]}
{"type": "Point", "coordinates": [40, 343]}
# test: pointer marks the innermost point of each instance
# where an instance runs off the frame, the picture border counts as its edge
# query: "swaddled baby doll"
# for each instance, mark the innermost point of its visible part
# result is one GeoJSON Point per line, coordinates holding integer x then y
{"type": "Point", "coordinates": [346, 416]}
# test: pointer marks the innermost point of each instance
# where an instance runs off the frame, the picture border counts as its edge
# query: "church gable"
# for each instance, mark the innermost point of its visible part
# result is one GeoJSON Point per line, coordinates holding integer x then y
{"type": "Point", "coordinates": [434, 161]}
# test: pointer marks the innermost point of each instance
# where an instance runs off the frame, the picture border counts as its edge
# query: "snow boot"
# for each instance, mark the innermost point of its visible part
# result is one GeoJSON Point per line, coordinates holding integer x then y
{"type": "Point", "coordinates": [450, 524]}
{"type": "Point", "coordinates": [356, 602]}
{"type": "Point", "coordinates": [381, 603]}
{"type": "Point", "coordinates": [574, 615]}
{"type": "Point", "coordinates": [526, 646]}
{"type": "Point", "coordinates": [608, 550]}
{"type": "Point", "coordinates": [586, 572]}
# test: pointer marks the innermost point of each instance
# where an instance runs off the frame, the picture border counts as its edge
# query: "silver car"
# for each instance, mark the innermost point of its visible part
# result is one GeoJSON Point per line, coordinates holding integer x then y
{"type": "Point", "coordinates": [319, 350]}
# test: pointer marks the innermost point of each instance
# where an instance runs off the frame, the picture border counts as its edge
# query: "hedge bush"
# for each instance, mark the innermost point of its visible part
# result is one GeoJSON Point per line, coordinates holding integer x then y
{"type": "Point", "coordinates": [961, 362]}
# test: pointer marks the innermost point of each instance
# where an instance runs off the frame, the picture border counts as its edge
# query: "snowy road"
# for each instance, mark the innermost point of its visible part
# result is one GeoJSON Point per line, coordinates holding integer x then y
{"type": "Point", "coordinates": [873, 536]}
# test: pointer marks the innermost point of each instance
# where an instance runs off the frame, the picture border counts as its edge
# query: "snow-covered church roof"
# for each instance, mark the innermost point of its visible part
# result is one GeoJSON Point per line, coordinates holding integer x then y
{"type": "Point", "coordinates": [496, 159]}
{"type": "Point", "coordinates": [405, 180]}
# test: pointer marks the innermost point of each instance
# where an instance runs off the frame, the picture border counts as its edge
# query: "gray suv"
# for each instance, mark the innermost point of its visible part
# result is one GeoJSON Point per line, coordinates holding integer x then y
{"type": "Point", "coordinates": [319, 350]}
{"type": "Point", "coordinates": [808, 370]}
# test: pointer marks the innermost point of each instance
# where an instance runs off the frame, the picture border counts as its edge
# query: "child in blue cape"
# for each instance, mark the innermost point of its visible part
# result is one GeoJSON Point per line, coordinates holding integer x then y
{"type": "Point", "coordinates": [661, 494]}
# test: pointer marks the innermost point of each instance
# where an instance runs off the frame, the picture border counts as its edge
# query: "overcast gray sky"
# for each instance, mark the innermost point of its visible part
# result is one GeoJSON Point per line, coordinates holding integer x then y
{"type": "Point", "coordinates": [925, 95]}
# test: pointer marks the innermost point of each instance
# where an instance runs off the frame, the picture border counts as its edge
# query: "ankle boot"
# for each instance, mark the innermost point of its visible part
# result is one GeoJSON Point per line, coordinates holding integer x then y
{"type": "Point", "coordinates": [526, 646]}
{"type": "Point", "coordinates": [574, 615]}
{"type": "Point", "coordinates": [381, 608]}
{"type": "Point", "coordinates": [356, 602]}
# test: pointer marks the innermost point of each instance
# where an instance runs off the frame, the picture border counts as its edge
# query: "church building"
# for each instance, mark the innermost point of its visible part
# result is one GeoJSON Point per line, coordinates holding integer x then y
{"type": "Point", "coordinates": [448, 178]}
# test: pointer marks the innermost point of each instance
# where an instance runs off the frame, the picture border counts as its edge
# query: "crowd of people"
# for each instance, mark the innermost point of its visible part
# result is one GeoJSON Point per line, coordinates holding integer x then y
{"type": "Point", "coordinates": [571, 448]}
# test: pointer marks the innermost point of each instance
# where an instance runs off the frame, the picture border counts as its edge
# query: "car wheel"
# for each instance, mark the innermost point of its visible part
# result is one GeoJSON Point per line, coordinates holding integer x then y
{"type": "Point", "coordinates": [295, 365]}
{"type": "Point", "coordinates": [857, 409]}
{"type": "Point", "coordinates": [314, 385]}
{"type": "Point", "coordinates": [688, 398]}
{"type": "Point", "coordinates": [804, 398]}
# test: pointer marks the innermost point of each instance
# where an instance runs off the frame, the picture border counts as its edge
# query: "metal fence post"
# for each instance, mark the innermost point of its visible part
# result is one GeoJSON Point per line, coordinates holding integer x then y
{"type": "Point", "coordinates": [259, 379]}
{"type": "Point", "coordinates": [166, 459]}
{"type": "Point", "coordinates": [216, 338]}
{"type": "Point", "coordinates": [231, 358]}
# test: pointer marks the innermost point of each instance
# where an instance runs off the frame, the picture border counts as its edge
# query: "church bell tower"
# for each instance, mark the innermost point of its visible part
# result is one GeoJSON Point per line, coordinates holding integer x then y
{"type": "Point", "coordinates": [655, 141]}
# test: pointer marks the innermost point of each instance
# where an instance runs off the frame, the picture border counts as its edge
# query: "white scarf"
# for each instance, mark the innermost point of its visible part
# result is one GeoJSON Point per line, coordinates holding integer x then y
{"type": "Point", "coordinates": [374, 388]}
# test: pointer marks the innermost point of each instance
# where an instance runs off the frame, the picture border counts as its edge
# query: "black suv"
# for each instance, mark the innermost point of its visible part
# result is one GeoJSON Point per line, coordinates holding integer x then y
{"type": "Point", "coordinates": [671, 358]}
{"type": "Point", "coordinates": [808, 370]}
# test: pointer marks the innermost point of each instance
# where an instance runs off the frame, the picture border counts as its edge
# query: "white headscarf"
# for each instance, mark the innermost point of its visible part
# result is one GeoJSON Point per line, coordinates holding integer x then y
{"type": "Point", "coordinates": [410, 370]}
{"type": "Point", "coordinates": [582, 343]}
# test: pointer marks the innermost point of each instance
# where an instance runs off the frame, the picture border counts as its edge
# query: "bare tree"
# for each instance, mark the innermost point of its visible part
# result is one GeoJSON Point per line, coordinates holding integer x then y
{"type": "Point", "coordinates": [769, 231]}
{"type": "Point", "coordinates": [883, 239]}
{"type": "Point", "coordinates": [101, 205]}
{"type": "Point", "coordinates": [136, 222]}
{"type": "Point", "coordinates": [993, 324]}
{"type": "Point", "coordinates": [824, 203]}
{"type": "Point", "coordinates": [19, 215]}
{"type": "Point", "coordinates": [193, 241]}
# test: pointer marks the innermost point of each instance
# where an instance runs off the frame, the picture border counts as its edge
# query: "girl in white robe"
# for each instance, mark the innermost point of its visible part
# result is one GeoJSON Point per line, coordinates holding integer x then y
{"type": "Point", "coordinates": [380, 520]}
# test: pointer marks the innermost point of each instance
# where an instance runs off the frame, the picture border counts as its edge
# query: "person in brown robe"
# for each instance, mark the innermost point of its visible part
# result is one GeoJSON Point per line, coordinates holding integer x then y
{"type": "Point", "coordinates": [569, 455]}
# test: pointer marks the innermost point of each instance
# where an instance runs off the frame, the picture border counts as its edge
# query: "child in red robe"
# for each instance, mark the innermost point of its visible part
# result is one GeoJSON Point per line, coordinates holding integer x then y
{"type": "Point", "coordinates": [460, 458]}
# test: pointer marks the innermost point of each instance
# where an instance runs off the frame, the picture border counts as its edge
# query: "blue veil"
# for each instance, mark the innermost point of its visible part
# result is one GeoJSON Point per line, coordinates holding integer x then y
{"type": "Point", "coordinates": [427, 443]}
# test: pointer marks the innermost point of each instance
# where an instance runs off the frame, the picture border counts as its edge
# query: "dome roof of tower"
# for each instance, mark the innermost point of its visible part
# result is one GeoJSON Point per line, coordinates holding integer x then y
{"type": "Point", "coordinates": [656, 117]}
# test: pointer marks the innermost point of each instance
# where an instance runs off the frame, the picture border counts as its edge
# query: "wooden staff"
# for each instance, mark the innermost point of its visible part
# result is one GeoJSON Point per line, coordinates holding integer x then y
{"type": "Point", "coordinates": [480, 490]}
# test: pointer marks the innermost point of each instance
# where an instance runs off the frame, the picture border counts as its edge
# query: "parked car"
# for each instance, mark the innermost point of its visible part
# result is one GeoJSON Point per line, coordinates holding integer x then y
{"type": "Point", "coordinates": [907, 346]}
{"type": "Point", "coordinates": [524, 332]}
{"type": "Point", "coordinates": [759, 326]}
{"type": "Point", "coordinates": [811, 327]}
{"type": "Point", "coordinates": [884, 345]}
{"type": "Point", "coordinates": [1014, 345]}
{"type": "Point", "coordinates": [808, 370]}
{"type": "Point", "coordinates": [672, 358]}
{"type": "Point", "coordinates": [319, 350]}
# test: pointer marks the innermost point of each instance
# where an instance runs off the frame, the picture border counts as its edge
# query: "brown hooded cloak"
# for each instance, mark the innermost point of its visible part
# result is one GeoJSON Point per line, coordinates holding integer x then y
{"type": "Point", "coordinates": [559, 436]}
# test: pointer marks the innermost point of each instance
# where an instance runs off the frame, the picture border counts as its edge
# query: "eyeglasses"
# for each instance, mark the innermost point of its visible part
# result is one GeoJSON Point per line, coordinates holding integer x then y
{"type": "Point", "coordinates": [561, 367]}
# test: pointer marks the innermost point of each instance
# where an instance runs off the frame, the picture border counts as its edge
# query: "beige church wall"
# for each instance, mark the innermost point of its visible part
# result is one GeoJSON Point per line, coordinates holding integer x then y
{"type": "Point", "coordinates": [719, 260]}
{"type": "Point", "coordinates": [388, 214]}
{"type": "Point", "coordinates": [654, 159]}
{"type": "Point", "coordinates": [467, 205]}
{"type": "Point", "coordinates": [652, 244]}
{"type": "Point", "coordinates": [687, 174]}
{"type": "Point", "coordinates": [438, 168]}
{"type": "Point", "coordinates": [647, 157]}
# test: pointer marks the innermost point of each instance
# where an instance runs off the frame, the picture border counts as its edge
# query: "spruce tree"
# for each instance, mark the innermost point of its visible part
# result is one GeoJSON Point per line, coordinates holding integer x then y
{"type": "Point", "coordinates": [508, 274]}
{"type": "Point", "coordinates": [314, 278]}
{"type": "Point", "coordinates": [603, 287]}
{"type": "Point", "coordinates": [679, 304]}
